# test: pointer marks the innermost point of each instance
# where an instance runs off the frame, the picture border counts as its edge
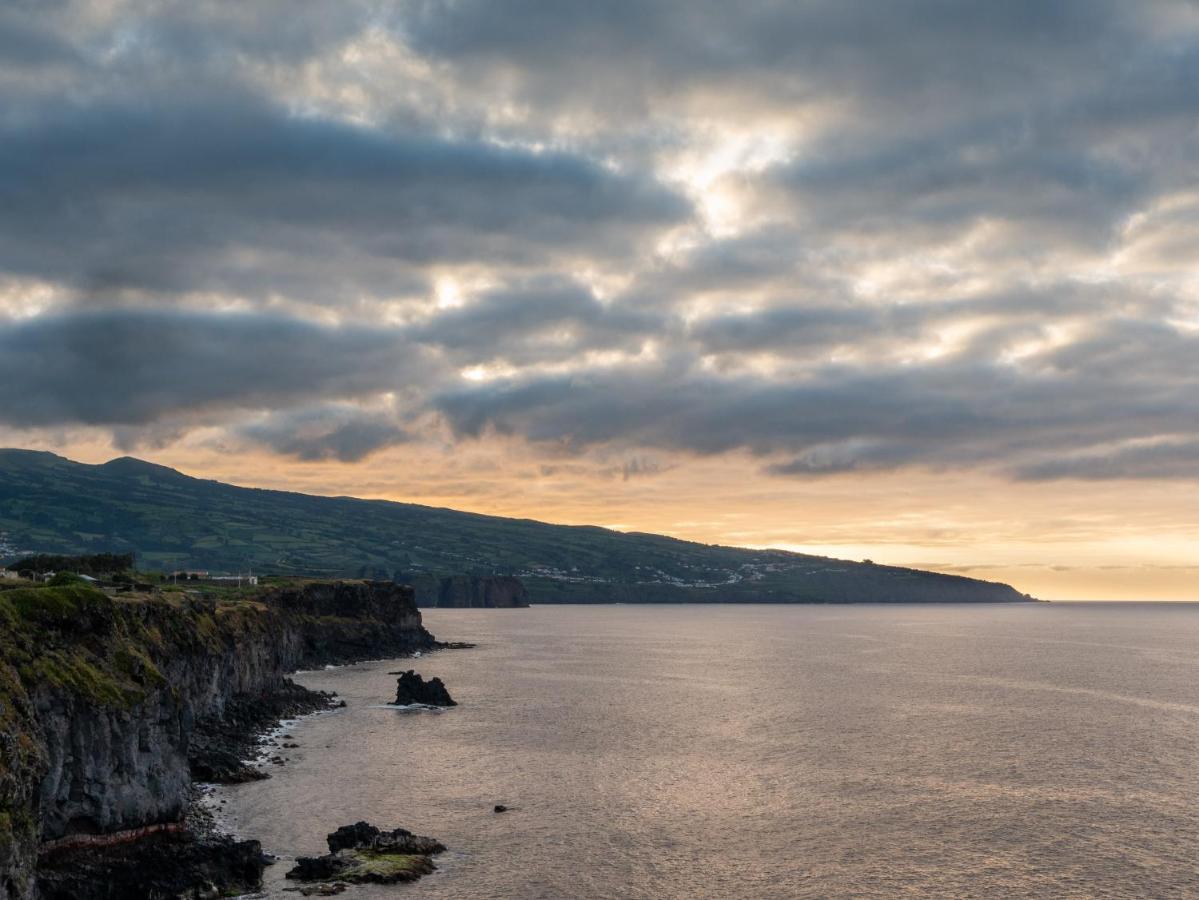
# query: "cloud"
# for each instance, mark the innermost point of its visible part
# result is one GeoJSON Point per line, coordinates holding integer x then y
{"type": "Point", "coordinates": [954, 412]}
{"type": "Point", "coordinates": [239, 197]}
{"type": "Point", "coordinates": [836, 235]}
{"type": "Point", "coordinates": [1155, 459]}
{"type": "Point", "coordinates": [343, 432]}
{"type": "Point", "coordinates": [137, 367]}
{"type": "Point", "coordinates": [567, 49]}
{"type": "Point", "coordinates": [537, 320]}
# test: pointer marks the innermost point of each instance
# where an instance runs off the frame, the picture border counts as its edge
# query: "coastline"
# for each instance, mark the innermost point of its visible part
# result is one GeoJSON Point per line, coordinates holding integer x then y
{"type": "Point", "coordinates": [119, 706]}
{"type": "Point", "coordinates": [294, 740]}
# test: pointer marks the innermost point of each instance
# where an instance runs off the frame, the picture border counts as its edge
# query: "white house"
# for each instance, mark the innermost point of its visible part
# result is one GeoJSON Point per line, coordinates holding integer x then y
{"type": "Point", "coordinates": [240, 579]}
{"type": "Point", "coordinates": [9, 573]}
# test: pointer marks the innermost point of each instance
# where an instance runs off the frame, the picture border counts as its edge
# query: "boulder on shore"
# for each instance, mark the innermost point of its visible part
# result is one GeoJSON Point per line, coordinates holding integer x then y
{"type": "Point", "coordinates": [411, 688]}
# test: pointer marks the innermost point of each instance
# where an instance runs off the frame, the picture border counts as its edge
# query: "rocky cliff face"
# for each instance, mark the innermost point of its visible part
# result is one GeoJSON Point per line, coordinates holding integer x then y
{"type": "Point", "coordinates": [100, 698]}
{"type": "Point", "coordinates": [463, 591]}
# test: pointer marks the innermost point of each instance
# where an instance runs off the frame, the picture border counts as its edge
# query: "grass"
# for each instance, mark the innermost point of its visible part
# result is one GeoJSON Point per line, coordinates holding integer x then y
{"type": "Point", "coordinates": [58, 606]}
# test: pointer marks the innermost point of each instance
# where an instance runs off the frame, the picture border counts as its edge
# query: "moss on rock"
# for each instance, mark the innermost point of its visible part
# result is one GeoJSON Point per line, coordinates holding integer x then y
{"type": "Point", "coordinates": [385, 868]}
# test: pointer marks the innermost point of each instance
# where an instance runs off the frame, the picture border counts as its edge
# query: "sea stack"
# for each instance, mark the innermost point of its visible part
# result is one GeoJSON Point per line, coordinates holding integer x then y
{"type": "Point", "coordinates": [411, 688]}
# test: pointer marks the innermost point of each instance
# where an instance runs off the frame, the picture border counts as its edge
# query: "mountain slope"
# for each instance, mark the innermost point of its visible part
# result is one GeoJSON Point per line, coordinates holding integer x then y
{"type": "Point", "coordinates": [51, 504]}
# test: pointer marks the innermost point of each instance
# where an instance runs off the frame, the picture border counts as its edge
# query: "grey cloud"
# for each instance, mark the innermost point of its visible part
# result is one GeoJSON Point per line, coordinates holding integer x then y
{"type": "Point", "coordinates": [944, 183]}
{"type": "Point", "coordinates": [954, 412]}
{"type": "Point", "coordinates": [830, 322]}
{"type": "Point", "coordinates": [148, 151]}
{"type": "Point", "coordinates": [177, 36]}
{"type": "Point", "coordinates": [546, 318]}
{"type": "Point", "coordinates": [921, 45]}
{"type": "Point", "coordinates": [136, 367]}
{"type": "Point", "coordinates": [794, 328]}
{"type": "Point", "coordinates": [1165, 459]}
{"type": "Point", "coordinates": [27, 44]}
{"type": "Point", "coordinates": [244, 199]}
{"type": "Point", "coordinates": [343, 432]}
{"type": "Point", "coordinates": [949, 114]}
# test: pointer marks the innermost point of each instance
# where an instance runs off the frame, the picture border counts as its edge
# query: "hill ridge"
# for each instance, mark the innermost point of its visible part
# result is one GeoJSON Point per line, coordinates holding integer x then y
{"type": "Point", "coordinates": [52, 504]}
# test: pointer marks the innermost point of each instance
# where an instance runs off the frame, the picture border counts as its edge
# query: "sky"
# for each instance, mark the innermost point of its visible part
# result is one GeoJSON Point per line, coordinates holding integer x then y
{"type": "Point", "coordinates": [914, 281]}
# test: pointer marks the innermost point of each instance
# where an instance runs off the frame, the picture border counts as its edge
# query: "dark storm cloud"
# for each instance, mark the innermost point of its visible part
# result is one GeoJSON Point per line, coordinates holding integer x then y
{"type": "Point", "coordinates": [136, 367]}
{"type": "Point", "coordinates": [244, 199]}
{"type": "Point", "coordinates": [334, 431]}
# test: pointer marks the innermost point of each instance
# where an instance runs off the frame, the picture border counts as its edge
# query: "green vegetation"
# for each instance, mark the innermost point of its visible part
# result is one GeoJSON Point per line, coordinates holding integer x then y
{"type": "Point", "coordinates": [387, 866]}
{"type": "Point", "coordinates": [60, 637]}
{"type": "Point", "coordinates": [71, 637]}
{"type": "Point", "coordinates": [175, 522]}
{"type": "Point", "coordinates": [68, 606]}
{"type": "Point", "coordinates": [83, 647]}
{"type": "Point", "coordinates": [362, 866]}
{"type": "Point", "coordinates": [97, 565]}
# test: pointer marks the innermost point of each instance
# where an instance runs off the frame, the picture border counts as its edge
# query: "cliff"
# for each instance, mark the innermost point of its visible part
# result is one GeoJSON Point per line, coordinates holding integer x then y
{"type": "Point", "coordinates": [103, 700]}
{"type": "Point", "coordinates": [468, 591]}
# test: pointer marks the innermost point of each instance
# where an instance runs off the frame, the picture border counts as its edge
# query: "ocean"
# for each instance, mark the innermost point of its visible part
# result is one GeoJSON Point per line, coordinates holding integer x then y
{"type": "Point", "coordinates": [1027, 750]}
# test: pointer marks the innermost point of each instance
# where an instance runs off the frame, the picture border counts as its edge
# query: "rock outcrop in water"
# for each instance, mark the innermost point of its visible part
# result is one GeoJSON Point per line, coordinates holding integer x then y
{"type": "Point", "coordinates": [411, 688]}
{"type": "Point", "coordinates": [108, 706]}
{"type": "Point", "coordinates": [362, 853]}
{"type": "Point", "coordinates": [470, 591]}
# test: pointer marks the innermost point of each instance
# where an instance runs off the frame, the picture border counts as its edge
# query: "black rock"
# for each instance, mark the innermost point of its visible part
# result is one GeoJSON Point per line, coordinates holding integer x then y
{"type": "Point", "coordinates": [220, 744]}
{"type": "Point", "coordinates": [218, 765]}
{"type": "Point", "coordinates": [363, 836]}
{"type": "Point", "coordinates": [160, 865]}
{"type": "Point", "coordinates": [411, 688]}
{"type": "Point", "coordinates": [499, 807]}
{"type": "Point", "coordinates": [352, 837]}
{"type": "Point", "coordinates": [318, 868]}
{"type": "Point", "coordinates": [362, 853]}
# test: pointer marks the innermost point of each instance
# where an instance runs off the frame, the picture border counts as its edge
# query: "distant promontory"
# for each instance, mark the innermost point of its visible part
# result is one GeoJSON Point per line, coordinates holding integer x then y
{"type": "Point", "coordinates": [49, 504]}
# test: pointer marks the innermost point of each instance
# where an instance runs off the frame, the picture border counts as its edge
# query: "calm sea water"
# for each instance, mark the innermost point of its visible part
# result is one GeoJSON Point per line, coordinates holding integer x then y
{"type": "Point", "coordinates": [766, 751]}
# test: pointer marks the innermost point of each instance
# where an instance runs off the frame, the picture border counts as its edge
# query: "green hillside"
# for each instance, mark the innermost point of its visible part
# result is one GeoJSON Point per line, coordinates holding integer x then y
{"type": "Point", "coordinates": [53, 505]}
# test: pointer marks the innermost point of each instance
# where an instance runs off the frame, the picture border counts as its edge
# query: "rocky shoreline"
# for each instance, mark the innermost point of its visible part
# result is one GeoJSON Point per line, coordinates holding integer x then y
{"type": "Point", "coordinates": [222, 745]}
{"type": "Point", "coordinates": [188, 859]}
{"type": "Point", "coordinates": [113, 709]}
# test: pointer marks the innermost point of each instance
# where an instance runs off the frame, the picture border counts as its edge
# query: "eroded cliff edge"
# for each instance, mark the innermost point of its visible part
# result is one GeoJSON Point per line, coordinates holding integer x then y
{"type": "Point", "coordinates": [101, 698]}
{"type": "Point", "coordinates": [469, 591]}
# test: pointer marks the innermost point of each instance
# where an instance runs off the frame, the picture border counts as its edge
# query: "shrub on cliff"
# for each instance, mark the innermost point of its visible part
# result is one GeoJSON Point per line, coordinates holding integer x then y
{"type": "Point", "coordinates": [96, 564]}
